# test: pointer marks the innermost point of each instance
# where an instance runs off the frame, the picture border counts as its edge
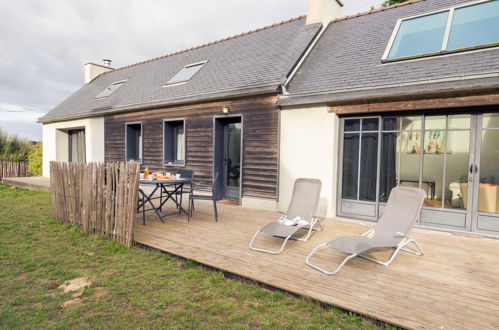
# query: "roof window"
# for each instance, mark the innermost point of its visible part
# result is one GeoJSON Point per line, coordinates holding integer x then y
{"type": "Point", "coordinates": [110, 90]}
{"type": "Point", "coordinates": [186, 73]}
{"type": "Point", "coordinates": [459, 28]}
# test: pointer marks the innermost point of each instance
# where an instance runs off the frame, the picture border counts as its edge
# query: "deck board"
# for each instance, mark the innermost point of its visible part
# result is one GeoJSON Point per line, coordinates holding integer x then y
{"type": "Point", "coordinates": [455, 285]}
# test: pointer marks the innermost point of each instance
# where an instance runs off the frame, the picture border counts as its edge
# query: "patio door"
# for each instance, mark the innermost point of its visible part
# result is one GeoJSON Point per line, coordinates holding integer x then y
{"type": "Point", "coordinates": [484, 173]}
{"type": "Point", "coordinates": [453, 157]}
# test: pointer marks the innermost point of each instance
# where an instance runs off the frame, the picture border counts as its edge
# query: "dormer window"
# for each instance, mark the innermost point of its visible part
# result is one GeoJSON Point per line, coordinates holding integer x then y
{"type": "Point", "coordinates": [460, 28]}
{"type": "Point", "coordinates": [186, 73]}
{"type": "Point", "coordinates": [110, 90]}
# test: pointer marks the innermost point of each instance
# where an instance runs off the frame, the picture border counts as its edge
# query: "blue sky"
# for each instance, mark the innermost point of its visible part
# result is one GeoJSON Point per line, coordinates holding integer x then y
{"type": "Point", "coordinates": [45, 43]}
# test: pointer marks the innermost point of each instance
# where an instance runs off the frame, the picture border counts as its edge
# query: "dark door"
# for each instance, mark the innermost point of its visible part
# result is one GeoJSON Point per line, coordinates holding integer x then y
{"type": "Point", "coordinates": [228, 134]}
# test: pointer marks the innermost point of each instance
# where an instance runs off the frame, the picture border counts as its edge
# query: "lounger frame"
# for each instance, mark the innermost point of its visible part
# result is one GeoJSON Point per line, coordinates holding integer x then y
{"type": "Point", "coordinates": [316, 220]}
{"type": "Point", "coordinates": [405, 240]}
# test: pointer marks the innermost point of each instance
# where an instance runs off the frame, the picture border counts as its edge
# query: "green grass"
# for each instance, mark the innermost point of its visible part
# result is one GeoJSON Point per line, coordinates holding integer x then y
{"type": "Point", "coordinates": [131, 288]}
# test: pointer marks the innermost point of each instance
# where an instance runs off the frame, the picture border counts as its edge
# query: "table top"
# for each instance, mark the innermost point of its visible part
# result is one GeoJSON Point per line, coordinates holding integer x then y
{"type": "Point", "coordinates": [169, 181]}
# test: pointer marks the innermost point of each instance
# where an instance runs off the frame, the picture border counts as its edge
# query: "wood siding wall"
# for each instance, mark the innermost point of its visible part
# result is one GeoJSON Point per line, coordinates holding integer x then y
{"type": "Point", "coordinates": [260, 140]}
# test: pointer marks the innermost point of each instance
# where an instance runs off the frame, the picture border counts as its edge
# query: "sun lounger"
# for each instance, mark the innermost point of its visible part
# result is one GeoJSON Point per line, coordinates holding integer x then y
{"type": "Point", "coordinates": [300, 217]}
{"type": "Point", "coordinates": [392, 230]}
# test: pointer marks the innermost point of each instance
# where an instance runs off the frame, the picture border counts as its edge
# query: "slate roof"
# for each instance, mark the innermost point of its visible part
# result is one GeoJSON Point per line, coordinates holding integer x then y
{"type": "Point", "coordinates": [254, 62]}
{"type": "Point", "coordinates": [345, 63]}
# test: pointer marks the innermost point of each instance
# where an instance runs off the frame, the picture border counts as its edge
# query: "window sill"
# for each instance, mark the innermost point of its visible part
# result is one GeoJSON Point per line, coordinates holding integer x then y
{"type": "Point", "coordinates": [175, 164]}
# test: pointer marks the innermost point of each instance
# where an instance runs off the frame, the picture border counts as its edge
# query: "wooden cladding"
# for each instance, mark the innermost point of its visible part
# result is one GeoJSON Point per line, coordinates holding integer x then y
{"type": "Point", "coordinates": [100, 198]}
{"type": "Point", "coordinates": [435, 102]}
{"type": "Point", "coordinates": [260, 140]}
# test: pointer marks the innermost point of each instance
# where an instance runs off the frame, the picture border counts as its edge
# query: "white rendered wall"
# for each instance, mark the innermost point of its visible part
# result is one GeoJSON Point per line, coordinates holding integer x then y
{"type": "Point", "coordinates": [55, 141]}
{"type": "Point", "coordinates": [309, 149]}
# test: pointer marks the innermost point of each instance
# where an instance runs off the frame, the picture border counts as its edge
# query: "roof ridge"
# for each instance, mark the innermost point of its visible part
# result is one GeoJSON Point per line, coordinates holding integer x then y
{"type": "Point", "coordinates": [209, 43]}
{"type": "Point", "coordinates": [375, 10]}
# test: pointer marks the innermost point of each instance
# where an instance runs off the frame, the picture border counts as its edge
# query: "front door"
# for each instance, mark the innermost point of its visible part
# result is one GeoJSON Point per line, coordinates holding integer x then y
{"type": "Point", "coordinates": [227, 167]}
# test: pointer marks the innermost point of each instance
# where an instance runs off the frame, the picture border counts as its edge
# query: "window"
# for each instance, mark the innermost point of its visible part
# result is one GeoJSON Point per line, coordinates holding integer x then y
{"type": "Point", "coordinates": [110, 90]}
{"type": "Point", "coordinates": [76, 146]}
{"type": "Point", "coordinates": [445, 31]}
{"type": "Point", "coordinates": [186, 73]}
{"type": "Point", "coordinates": [360, 159]}
{"type": "Point", "coordinates": [134, 143]}
{"type": "Point", "coordinates": [174, 142]}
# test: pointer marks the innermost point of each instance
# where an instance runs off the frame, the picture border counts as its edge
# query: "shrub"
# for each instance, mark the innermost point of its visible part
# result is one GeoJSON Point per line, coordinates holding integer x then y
{"type": "Point", "coordinates": [392, 2]}
{"type": "Point", "coordinates": [35, 160]}
{"type": "Point", "coordinates": [13, 148]}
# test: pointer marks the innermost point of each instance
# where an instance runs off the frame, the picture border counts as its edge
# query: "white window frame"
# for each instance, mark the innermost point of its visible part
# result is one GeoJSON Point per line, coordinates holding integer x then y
{"type": "Point", "coordinates": [170, 83]}
{"type": "Point", "coordinates": [445, 41]}
{"type": "Point", "coordinates": [175, 163]}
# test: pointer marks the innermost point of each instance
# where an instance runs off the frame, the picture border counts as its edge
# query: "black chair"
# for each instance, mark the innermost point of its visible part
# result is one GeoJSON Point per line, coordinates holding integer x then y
{"type": "Point", "coordinates": [184, 174]}
{"type": "Point", "coordinates": [199, 192]}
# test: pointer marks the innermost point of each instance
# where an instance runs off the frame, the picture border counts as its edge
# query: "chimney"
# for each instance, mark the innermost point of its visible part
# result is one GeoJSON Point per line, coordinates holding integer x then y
{"type": "Point", "coordinates": [93, 70]}
{"type": "Point", "coordinates": [323, 11]}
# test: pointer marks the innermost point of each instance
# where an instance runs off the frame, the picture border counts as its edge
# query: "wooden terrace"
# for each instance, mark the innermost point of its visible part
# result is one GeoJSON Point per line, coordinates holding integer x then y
{"type": "Point", "coordinates": [455, 285]}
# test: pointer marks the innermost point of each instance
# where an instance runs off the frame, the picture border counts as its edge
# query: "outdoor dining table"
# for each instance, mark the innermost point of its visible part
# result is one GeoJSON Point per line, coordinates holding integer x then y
{"type": "Point", "coordinates": [168, 191]}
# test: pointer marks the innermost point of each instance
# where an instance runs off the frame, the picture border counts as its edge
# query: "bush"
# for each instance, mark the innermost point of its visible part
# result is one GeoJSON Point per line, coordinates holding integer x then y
{"type": "Point", "coordinates": [13, 148]}
{"type": "Point", "coordinates": [35, 160]}
{"type": "Point", "coordinates": [392, 2]}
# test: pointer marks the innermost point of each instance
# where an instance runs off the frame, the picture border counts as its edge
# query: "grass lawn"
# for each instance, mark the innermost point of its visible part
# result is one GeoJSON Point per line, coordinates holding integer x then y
{"type": "Point", "coordinates": [131, 288]}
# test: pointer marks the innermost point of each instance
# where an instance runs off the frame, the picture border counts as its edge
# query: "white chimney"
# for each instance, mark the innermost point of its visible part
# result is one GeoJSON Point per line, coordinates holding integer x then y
{"type": "Point", "coordinates": [93, 70]}
{"type": "Point", "coordinates": [323, 11]}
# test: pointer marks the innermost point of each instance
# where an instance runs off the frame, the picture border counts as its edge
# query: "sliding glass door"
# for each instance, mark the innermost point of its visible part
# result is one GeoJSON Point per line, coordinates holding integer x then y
{"type": "Point", "coordinates": [485, 172]}
{"type": "Point", "coordinates": [454, 158]}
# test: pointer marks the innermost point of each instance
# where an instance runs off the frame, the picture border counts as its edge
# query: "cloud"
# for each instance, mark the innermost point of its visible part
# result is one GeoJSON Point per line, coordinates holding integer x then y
{"type": "Point", "coordinates": [45, 43]}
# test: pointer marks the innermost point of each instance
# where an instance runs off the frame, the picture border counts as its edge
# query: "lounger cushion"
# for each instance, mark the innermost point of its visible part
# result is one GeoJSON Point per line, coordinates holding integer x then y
{"type": "Point", "coordinates": [359, 244]}
{"type": "Point", "coordinates": [280, 230]}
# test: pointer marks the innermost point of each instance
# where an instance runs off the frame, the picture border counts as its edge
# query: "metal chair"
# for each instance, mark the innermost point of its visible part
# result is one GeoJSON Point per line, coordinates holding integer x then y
{"type": "Point", "coordinates": [185, 174]}
{"type": "Point", "coordinates": [200, 192]}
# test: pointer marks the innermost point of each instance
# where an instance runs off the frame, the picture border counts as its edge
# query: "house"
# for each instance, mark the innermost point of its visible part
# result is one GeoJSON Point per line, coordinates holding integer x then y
{"type": "Point", "coordinates": [403, 95]}
{"type": "Point", "coordinates": [407, 94]}
{"type": "Point", "coordinates": [211, 109]}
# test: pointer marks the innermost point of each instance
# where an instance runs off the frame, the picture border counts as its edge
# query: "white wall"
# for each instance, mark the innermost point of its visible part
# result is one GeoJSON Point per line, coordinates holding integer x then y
{"type": "Point", "coordinates": [55, 141]}
{"type": "Point", "coordinates": [309, 149]}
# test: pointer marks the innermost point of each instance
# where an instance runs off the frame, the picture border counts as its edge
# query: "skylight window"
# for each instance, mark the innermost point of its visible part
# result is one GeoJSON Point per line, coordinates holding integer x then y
{"type": "Point", "coordinates": [110, 90]}
{"type": "Point", "coordinates": [186, 73]}
{"type": "Point", "coordinates": [458, 28]}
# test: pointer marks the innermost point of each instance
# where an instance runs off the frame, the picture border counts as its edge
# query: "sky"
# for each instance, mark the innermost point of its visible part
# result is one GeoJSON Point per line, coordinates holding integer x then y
{"type": "Point", "coordinates": [44, 44]}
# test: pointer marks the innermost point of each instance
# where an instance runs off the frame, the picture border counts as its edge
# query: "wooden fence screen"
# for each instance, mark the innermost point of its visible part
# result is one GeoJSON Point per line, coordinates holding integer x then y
{"type": "Point", "coordinates": [100, 198]}
{"type": "Point", "coordinates": [12, 169]}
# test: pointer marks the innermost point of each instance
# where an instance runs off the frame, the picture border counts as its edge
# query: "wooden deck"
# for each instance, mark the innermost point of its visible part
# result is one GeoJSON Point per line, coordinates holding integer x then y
{"type": "Point", "coordinates": [455, 285]}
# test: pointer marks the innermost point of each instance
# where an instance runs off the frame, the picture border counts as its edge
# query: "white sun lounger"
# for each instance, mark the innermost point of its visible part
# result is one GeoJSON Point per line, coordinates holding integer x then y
{"type": "Point", "coordinates": [391, 231]}
{"type": "Point", "coordinates": [303, 205]}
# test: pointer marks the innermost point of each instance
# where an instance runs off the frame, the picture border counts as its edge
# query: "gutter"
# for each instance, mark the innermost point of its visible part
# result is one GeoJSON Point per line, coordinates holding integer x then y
{"type": "Point", "coordinates": [146, 106]}
{"type": "Point", "coordinates": [397, 85]}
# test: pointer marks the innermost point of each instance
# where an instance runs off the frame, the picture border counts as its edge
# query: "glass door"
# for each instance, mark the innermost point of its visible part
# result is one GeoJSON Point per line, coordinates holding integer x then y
{"type": "Point", "coordinates": [232, 160]}
{"type": "Point", "coordinates": [485, 172]}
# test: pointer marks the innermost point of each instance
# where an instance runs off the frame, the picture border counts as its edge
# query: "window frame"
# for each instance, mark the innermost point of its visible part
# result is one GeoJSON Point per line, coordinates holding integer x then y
{"type": "Point", "coordinates": [141, 142]}
{"type": "Point", "coordinates": [445, 41]}
{"type": "Point", "coordinates": [122, 82]}
{"type": "Point", "coordinates": [174, 163]}
{"type": "Point", "coordinates": [170, 83]}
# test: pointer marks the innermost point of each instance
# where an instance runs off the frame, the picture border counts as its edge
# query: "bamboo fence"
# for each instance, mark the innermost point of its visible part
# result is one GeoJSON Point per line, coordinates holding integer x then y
{"type": "Point", "coordinates": [12, 169]}
{"type": "Point", "coordinates": [101, 198]}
